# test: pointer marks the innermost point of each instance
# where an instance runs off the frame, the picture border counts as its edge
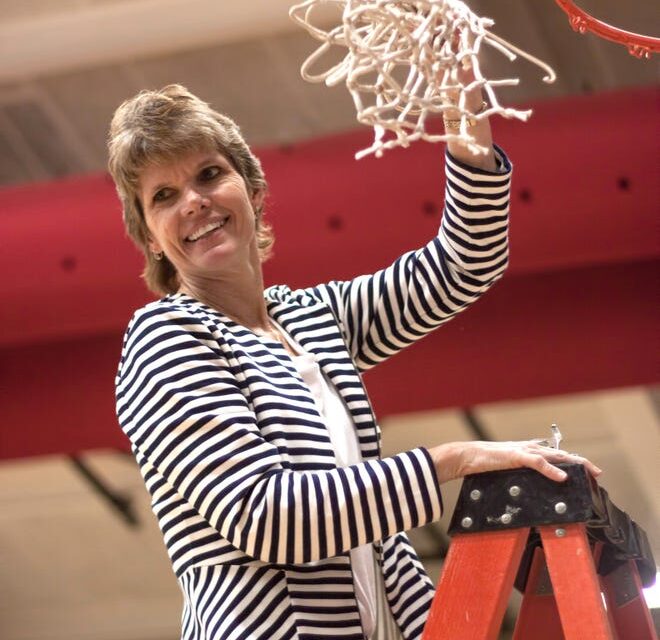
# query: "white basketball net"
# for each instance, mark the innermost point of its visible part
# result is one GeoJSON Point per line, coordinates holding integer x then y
{"type": "Point", "coordinates": [403, 62]}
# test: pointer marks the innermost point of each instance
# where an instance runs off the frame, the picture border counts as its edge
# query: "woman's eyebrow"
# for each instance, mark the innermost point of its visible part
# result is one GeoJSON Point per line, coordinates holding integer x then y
{"type": "Point", "coordinates": [212, 159]}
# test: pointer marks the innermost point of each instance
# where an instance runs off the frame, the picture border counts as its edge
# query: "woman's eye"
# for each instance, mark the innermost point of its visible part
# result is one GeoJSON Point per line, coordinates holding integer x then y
{"type": "Point", "coordinates": [161, 195]}
{"type": "Point", "coordinates": [209, 173]}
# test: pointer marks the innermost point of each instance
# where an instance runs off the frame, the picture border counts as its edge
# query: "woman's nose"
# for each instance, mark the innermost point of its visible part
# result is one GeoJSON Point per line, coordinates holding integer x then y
{"type": "Point", "coordinates": [194, 202]}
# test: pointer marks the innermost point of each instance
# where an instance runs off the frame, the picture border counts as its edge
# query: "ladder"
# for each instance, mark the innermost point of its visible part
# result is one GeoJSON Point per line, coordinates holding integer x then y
{"type": "Point", "coordinates": [579, 561]}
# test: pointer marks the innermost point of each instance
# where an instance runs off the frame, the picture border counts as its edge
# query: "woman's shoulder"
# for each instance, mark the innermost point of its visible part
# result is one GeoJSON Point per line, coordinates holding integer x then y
{"type": "Point", "coordinates": [171, 305]}
{"type": "Point", "coordinates": [175, 310]}
{"type": "Point", "coordinates": [173, 323]}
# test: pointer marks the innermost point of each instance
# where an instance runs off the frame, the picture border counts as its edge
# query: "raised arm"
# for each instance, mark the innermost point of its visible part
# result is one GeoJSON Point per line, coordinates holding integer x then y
{"type": "Point", "coordinates": [382, 313]}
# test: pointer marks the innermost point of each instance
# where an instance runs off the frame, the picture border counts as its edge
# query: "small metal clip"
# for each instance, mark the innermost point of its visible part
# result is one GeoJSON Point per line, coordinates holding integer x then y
{"type": "Point", "coordinates": [554, 440]}
{"type": "Point", "coordinates": [556, 436]}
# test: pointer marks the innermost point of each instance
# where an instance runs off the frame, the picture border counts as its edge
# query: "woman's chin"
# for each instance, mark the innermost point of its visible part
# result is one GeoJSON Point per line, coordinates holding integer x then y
{"type": "Point", "coordinates": [216, 258]}
{"type": "Point", "coordinates": [210, 248]}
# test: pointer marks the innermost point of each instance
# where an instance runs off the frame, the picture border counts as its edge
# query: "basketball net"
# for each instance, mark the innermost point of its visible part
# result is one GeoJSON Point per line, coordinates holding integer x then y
{"type": "Point", "coordinates": [403, 63]}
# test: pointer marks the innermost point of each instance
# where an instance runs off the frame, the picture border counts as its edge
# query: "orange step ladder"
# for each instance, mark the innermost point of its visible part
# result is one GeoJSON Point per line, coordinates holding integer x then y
{"type": "Point", "coordinates": [579, 561]}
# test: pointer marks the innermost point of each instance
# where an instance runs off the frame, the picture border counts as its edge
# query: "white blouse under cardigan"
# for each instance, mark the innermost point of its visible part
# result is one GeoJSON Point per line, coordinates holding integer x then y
{"type": "Point", "coordinates": [257, 517]}
{"type": "Point", "coordinates": [375, 615]}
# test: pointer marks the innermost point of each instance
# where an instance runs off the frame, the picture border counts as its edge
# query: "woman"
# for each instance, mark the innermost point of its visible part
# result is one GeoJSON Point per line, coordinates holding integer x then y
{"type": "Point", "coordinates": [245, 407]}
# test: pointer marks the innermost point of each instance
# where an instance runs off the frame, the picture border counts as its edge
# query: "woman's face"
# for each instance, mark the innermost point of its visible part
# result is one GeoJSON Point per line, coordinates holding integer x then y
{"type": "Point", "coordinates": [200, 215]}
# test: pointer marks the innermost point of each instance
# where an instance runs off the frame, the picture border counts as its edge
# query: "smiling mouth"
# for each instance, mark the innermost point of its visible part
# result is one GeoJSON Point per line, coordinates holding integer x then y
{"type": "Point", "coordinates": [206, 230]}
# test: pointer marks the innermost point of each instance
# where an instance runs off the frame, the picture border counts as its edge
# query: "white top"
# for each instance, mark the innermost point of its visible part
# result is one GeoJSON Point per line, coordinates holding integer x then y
{"type": "Point", "coordinates": [347, 452]}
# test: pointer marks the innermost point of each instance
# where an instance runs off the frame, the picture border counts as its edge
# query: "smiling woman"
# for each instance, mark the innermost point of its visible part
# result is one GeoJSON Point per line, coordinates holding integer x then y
{"type": "Point", "coordinates": [245, 406]}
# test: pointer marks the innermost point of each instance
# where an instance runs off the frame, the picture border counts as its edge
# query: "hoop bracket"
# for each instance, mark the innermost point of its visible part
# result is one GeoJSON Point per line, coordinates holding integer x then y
{"type": "Point", "coordinates": [638, 45]}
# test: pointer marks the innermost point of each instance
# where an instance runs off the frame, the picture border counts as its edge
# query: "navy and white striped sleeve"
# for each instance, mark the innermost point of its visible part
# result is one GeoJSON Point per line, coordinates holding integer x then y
{"type": "Point", "coordinates": [183, 408]}
{"type": "Point", "coordinates": [382, 313]}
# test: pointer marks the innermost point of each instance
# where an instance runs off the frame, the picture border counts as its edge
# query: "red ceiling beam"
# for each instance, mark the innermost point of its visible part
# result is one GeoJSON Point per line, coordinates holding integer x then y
{"type": "Point", "coordinates": [585, 192]}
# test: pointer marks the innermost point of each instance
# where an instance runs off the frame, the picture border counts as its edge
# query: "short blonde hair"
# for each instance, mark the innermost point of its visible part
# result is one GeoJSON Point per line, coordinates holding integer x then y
{"type": "Point", "coordinates": [157, 126]}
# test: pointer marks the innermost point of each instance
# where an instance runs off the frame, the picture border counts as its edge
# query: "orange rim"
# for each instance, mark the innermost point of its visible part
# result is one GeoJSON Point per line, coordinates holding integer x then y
{"type": "Point", "coordinates": [638, 45]}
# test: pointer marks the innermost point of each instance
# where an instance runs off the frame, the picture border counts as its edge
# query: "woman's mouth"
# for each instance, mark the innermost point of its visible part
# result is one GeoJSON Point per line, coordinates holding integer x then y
{"type": "Point", "coordinates": [206, 230]}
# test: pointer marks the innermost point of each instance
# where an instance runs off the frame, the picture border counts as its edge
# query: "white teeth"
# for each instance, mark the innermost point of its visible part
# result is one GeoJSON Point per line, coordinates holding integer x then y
{"type": "Point", "coordinates": [207, 228]}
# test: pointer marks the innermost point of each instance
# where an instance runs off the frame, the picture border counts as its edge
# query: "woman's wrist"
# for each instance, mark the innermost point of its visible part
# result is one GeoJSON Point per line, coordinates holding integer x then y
{"type": "Point", "coordinates": [477, 129]}
{"type": "Point", "coordinates": [482, 137]}
{"type": "Point", "coordinates": [447, 460]}
{"type": "Point", "coordinates": [453, 119]}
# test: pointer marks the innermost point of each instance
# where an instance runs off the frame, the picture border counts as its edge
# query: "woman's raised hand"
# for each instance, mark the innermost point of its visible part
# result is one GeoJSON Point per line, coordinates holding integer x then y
{"type": "Point", "coordinates": [458, 459]}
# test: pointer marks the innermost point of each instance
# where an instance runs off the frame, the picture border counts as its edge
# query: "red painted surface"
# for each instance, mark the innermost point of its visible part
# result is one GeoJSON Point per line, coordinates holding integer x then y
{"type": "Point", "coordinates": [475, 585]}
{"type": "Point", "coordinates": [575, 583]}
{"type": "Point", "coordinates": [577, 310]}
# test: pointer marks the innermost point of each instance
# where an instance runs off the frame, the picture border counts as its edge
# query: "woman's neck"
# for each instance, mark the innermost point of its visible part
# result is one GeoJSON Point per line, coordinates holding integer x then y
{"type": "Point", "coordinates": [239, 296]}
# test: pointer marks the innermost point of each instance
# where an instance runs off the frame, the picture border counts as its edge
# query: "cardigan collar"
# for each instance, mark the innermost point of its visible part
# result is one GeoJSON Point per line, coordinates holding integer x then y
{"type": "Point", "coordinates": [288, 312]}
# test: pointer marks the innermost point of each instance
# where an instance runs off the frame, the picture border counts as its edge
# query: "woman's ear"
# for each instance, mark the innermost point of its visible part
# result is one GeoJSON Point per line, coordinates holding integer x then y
{"type": "Point", "coordinates": [258, 200]}
{"type": "Point", "coordinates": [154, 245]}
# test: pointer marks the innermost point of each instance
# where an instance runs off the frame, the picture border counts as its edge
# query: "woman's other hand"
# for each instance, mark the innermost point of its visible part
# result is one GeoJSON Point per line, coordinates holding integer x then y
{"type": "Point", "coordinates": [458, 459]}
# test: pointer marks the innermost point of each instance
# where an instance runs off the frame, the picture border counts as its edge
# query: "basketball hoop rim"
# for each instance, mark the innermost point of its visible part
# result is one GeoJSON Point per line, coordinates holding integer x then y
{"type": "Point", "coordinates": [637, 44]}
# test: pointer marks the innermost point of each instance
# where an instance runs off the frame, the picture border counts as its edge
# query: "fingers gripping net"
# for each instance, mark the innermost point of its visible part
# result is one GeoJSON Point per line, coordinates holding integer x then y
{"type": "Point", "coordinates": [408, 60]}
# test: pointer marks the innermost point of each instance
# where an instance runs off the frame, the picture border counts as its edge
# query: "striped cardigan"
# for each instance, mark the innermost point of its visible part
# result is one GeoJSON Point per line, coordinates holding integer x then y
{"type": "Point", "coordinates": [256, 516]}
